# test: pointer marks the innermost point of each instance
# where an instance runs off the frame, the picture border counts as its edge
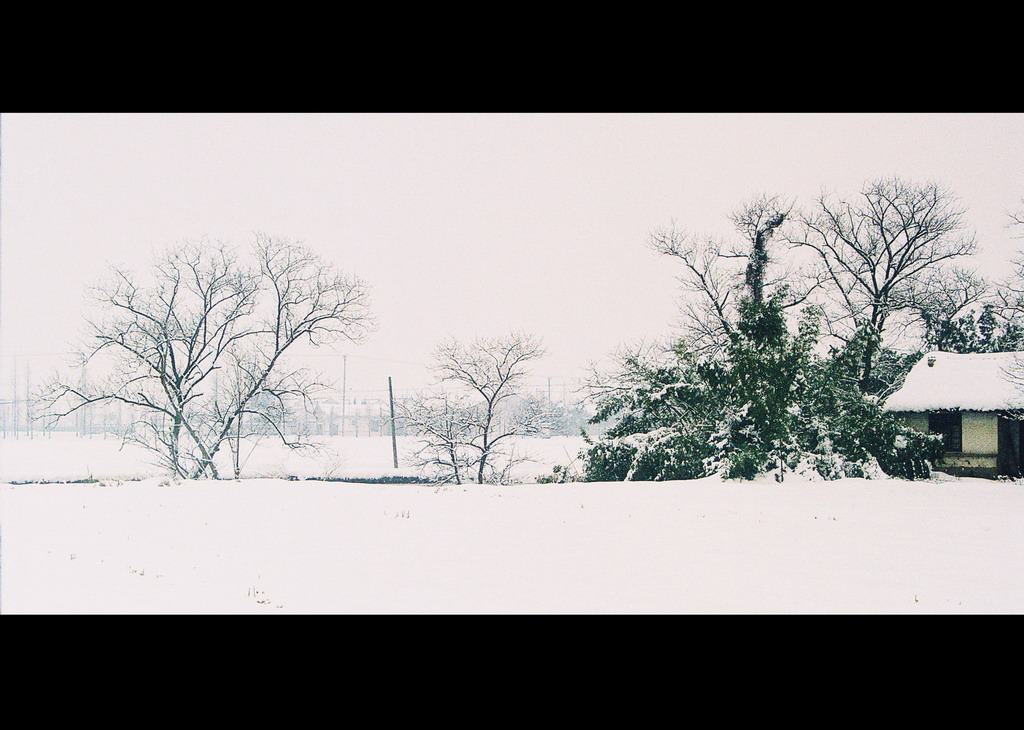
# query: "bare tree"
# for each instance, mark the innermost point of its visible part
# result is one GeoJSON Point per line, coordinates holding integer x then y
{"type": "Point", "coordinates": [471, 429]}
{"type": "Point", "coordinates": [938, 297]}
{"type": "Point", "coordinates": [1010, 295]}
{"type": "Point", "coordinates": [708, 301]}
{"type": "Point", "coordinates": [198, 353]}
{"type": "Point", "coordinates": [1010, 292]}
{"type": "Point", "coordinates": [1007, 304]}
{"type": "Point", "coordinates": [716, 273]}
{"type": "Point", "coordinates": [878, 250]}
{"type": "Point", "coordinates": [1017, 220]}
{"type": "Point", "coordinates": [444, 423]}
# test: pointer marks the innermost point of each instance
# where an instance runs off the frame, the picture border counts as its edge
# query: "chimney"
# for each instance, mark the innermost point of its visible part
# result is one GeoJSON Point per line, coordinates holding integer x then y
{"type": "Point", "coordinates": [931, 361]}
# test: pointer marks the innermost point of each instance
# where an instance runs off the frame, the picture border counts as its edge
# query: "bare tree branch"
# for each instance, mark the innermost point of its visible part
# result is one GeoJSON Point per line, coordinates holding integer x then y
{"type": "Point", "coordinates": [714, 273]}
{"type": "Point", "coordinates": [200, 346]}
{"type": "Point", "coordinates": [465, 431]}
{"type": "Point", "coordinates": [882, 250]}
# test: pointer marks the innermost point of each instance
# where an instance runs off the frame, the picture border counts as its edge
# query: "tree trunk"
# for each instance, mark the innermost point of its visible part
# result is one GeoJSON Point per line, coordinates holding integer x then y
{"type": "Point", "coordinates": [174, 452]}
{"type": "Point", "coordinates": [871, 348]}
{"type": "Point", "coordinates": [483, 463]}
{"type": "Point", "coordinates": [866, 367]}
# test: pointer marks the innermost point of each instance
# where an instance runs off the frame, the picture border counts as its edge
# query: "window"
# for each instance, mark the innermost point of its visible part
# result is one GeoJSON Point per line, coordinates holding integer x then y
{"type": "Point", "coordinates": [950, 426]}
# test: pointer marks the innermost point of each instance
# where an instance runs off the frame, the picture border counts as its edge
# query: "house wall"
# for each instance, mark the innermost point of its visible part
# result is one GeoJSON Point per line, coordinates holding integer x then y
{"type": "Point", "coordinates": [980, 447]}
{"type": "Point", "coordinates": [980, 444]}
{"type": "Point", "coordinates": [968, 465]}
{"type": "Point", "coordinates": [981, 433]}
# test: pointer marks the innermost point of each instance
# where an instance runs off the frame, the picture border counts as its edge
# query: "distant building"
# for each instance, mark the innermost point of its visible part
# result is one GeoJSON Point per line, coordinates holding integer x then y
{"type": "Point", "coordinates": [976, 402]}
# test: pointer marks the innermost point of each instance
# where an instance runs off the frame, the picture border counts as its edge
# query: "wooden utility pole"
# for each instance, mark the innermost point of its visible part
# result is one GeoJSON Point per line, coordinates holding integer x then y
{"type": "Point", "coordinates": [14, 392]}
{"type": "Point", "coordinates": [344, 390]}
{"type": "Point", "coordinates": [238, 447]}
{"type": "Point", "coordinates": [394, 441]}
{"type": "Point", "coordinates": [28, 398]}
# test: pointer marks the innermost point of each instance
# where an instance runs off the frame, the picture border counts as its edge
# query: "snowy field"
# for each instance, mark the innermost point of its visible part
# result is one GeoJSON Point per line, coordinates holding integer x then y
{"type": "Point", "coordinates": [69, 458]}
{"type": "Point", "coordinates": [273, 546]}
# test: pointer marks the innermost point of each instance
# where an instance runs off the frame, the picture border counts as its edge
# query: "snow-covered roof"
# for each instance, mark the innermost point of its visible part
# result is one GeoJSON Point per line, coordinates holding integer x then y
{"type": "Point", "coordinates": [974, 382]}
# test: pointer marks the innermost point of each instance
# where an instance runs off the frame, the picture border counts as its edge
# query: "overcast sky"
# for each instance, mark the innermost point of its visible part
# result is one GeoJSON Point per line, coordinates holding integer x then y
{"type": "Point", "coordinates": [463, 224]}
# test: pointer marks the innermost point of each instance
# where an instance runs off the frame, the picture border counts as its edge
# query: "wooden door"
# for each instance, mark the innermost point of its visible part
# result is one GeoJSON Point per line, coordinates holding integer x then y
{"type": "Point", "coordinates": [1008, 461]}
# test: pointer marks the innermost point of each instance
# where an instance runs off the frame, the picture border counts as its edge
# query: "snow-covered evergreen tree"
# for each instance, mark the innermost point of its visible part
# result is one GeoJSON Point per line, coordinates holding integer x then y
{"type": "Point", "coordinates": [764, 402]}
{"type": "Point", "coordinates": [763, 386]}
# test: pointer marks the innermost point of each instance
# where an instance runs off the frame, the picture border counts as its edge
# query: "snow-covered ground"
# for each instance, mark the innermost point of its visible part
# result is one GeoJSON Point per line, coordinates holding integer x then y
{"type": "Point", "coordinates": [703, 546]}
{"type": "Point", "coordinates": [67, 457]}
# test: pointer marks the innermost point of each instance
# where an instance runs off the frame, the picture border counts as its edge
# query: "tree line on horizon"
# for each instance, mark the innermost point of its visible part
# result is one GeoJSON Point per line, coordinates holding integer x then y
{"type": "Point", "coordinates": [788, 338]}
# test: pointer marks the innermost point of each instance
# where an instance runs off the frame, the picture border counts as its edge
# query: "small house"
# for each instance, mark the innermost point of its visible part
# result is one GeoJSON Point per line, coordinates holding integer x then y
{"type": "Point", "coordinates": [976, 402]}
